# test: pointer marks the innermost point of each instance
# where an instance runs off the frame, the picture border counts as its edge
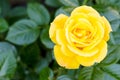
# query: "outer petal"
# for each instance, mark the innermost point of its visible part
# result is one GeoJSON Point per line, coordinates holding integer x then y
{"type": "Point", "coordinates": [88, 61]}
{"type": "Point", "coordinates": [107, 28]}
{"type": "Point", "coordinates": [84, 9]}
{"type": "Point", "coordinates": [61, 40]}
{"type": "Point", "coordinates": [63, 60]}
{"type": "Point", "coordinates": [60, 37]}
{"type": "Point", "coordinates": [57, 24]}
{"type": "Point", "coordinates": [102, 51]}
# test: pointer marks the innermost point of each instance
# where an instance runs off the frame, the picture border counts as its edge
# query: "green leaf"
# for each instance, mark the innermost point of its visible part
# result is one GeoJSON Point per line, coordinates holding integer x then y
{"type": "Point", "coordinates": [115, 24]}
{"type": "Point", "coordinates": [112, 40]}
{"type": "Point", "coordinates": [44, 37]}
{"type": "Point", "coordinates": [113, 16]}
{"type": "Point", "coordinates": [53, 3]}
{"type": "Point", "coordinates": [18, 12]}
{"type": "Point", "coordinates": [4, 78]}
{"type": "Point", "coordinates": [110, 3]}
{"type": "Point", "coordinates": [3, 25]}
{"type": "Point", "coordinates": [64, 77]}
{"type": "Point", "coordinates": [70, 2]}
{"type": "Point", "coordinates": [64, 10]}
{"type": "Point", "coordinates": [113, 71]}
{"type": "Point", "coordinates": [23, 32]}
{"type": "Point", "coordinates": [5, 7]}
{"type": "Point", "coordinates": [7, 59]}
{"type": "Point", "coordinates": [49, 55]}
{"type": "Point", "coordinates": [41, 65]}
{"type": "Point", "coordinates": [0, 11]}
{"type": "Point", "coordinates": [44, 62]}
{"type": "Point", "coordinates": [116, 36]}
{"type": "Point", "coordinates": [4, 46]}
{"type": "Point", "coordinates": [109, 77]}
{"type": "Point", "coordinates": [46, 74]}
{"type": "Point", "coordinates": [91, 73]}
{"type": "Point", "coordinates": [30, 55]}
{"type": "Point", "coordinates": [38, 13]}
{"type": "Point", "coordinates": [113, 55]}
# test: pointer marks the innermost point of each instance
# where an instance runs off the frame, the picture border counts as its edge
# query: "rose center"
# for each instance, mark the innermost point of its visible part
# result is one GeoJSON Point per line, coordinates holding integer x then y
{"type": "Point", "coordinates": [81, 33]}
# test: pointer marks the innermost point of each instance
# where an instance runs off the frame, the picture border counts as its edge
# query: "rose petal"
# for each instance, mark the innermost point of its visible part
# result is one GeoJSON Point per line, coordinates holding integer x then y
{"type": "Point", "coordinates": [84, 9]}
{"type": "Point", "coordinates": [107, 29]}
{"type": "Point", "coordinates": [65, 61]}
{"type": "Point", "coordinates": [57, 24]}
{"type": "Point", "coordinates": [88, 61]}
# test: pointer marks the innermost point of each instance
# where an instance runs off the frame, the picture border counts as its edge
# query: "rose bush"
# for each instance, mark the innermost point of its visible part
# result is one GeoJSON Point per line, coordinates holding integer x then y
{"type": "Point", "coordinates": [81, 38]}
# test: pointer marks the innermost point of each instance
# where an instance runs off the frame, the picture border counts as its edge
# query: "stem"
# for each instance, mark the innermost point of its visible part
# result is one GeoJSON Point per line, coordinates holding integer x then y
{"type": "Point", "coordinates": [84, 2]}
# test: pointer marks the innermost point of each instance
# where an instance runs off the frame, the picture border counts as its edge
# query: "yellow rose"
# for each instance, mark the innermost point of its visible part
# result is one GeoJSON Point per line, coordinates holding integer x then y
{"type": "Point", "coordinates": [81, 38]}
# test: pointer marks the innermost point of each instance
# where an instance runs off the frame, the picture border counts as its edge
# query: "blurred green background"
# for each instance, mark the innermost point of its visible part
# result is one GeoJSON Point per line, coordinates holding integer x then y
{"type": "Point", "coordinates": [26, 52]}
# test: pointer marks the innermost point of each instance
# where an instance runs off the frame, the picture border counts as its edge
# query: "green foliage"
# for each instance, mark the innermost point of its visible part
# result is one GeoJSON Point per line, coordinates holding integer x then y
{"type": "Point", "coordinates": [53, 3]}
{"type": "Point", "coordinates": [23, 32]}
{"type": "Point", "coordinates": [44, 37]}
{"type": "Point", "coordinates": [64, 77]}
{"type": "Point", "coordinates": [7, 60]}
{"type": "Point", "coordinates": [3, 25]}
{"type": "Point", "coordinates": [5, 7]}
{"type": "Point", "coordinates": [64, 10]}
{"type": "Point", "coordinates": [113, 16]}
{"type": "Point", "coordinates": [31, 51]}
{"type": "Point", "coordinates": [69, 2]}
{"type": "Point", "coordinates": [112, 71]}
{"type": "Point", "coordinates": [111, 3]}
{"type": "Point", "coordinates": [91, 73]}
{"type": "Point", "coordinates": [20, 11]}
{"type": "Point", "coordinates": [38, 13]}
{"type": "Point", "coordinates": [112, 57]}
{"type": "Point", "coordinates": [26, 51]}
{"type": "Point", "coordinates": [46, 74]}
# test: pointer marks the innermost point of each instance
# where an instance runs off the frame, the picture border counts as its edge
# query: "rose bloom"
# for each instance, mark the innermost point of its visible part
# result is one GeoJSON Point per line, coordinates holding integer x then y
{"type": "Point", "coordinates": [81, 38]}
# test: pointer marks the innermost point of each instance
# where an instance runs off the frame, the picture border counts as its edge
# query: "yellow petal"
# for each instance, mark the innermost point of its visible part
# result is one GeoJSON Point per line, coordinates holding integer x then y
{"type": "Point", "coordinates": [107, 28]}
{"type": "Point", "coordinates": [60, 37]}
{"type": "Point", "coordinates": [97, 37]}
{"type": "Point", "coordinates": [88, 61]}
{"type": "Point", "coordinates": [57, 24]}
{"type": "Point", "coordinates": [102, 51]}
{"type": "Point", "coordinates": [84, 9]}
{"type": "Point", "coordinates": [81, 52]}
{"type": "Point", "coordinates": [63, 60]}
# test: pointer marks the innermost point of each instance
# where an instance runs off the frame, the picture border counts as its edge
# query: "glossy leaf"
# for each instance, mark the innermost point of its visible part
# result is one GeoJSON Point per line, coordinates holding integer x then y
{"type": "Point", "coordinates": [44, 37]}
{"type": "Point", "coordinates": [64, 77]}
{"type": "Point", "coordinates": [116, 36]}
{"type": "Point", "coordinates": [3, 25]}
{"type": "Point", "coordinates": [7, 60]}
{"type": "Point", "coordinates": [64, 10]}
{"type": "Point", "coordinates": [111, 3]}
{"type": "Point", "coordinates": [18, 12]}
{"type": "Point", "coordinates": [38, 13]}
{"type": "Point", "coordinates": [23, 32]}
{"type": "Point", "coordinates": [113, 71]}
{"type": "Point", "coordinates": [5, 7]}
{"type": "Point", "coordinates": [46, 74]}
{"type": "Point", "coordinates": [41, 65]}
{"type": "Point", "coordinates": [113, 16]}
{"type": "Point", "coordinates": [91, 73]}
{"type": "Point", "coordinates": [112, 57]}
{"type": "Point", "coordinates": [53, 3]}
{"type": "Point", "coordinates": [109, 77]}
{"type": "Point", "coordinates": [69, 2]}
